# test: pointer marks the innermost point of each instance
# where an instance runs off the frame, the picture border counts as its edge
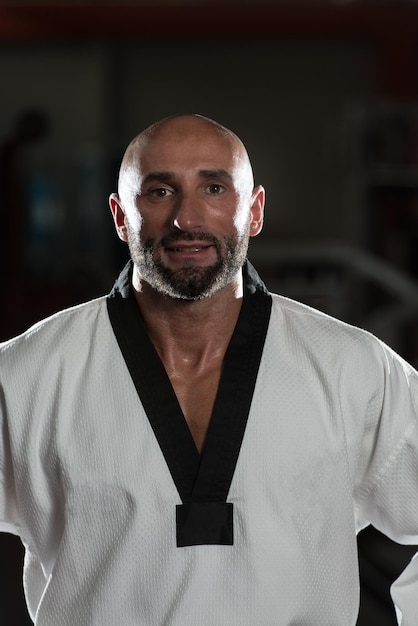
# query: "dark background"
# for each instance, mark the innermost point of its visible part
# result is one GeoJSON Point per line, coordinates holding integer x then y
{"type": "Point", "coordinates": [325, 96]}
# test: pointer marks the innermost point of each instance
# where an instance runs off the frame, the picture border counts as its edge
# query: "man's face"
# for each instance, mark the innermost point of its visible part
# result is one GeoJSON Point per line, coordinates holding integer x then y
{"type": "Point", "coordinates": [188, 211]}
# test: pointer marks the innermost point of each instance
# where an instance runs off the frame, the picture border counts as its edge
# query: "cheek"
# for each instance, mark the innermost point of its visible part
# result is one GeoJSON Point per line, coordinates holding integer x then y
{"type": "Point", "coordinates": [242, 219]}
{"type": "Point", "coordinates": [135, 221]}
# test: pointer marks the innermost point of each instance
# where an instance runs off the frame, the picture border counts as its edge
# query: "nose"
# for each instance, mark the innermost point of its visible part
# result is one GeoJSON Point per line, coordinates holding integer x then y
{"type": "Point", "coordinates": [188, 213]}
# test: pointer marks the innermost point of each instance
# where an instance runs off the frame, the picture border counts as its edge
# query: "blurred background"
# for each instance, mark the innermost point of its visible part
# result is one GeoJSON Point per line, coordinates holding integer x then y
{"type": "Point", "coordinates": [324, 95]}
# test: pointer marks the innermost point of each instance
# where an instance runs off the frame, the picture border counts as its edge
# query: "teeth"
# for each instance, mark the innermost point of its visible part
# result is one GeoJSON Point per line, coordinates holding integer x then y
{"type": "Point", "coordinates": [188, 249]}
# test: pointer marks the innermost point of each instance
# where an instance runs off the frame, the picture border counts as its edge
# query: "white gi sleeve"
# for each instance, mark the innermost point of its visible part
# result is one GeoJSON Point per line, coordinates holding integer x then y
{"type": "Point", "coordinates": [9, 519]}
{"type": "Point", "coordinates": [404, 594]}
{"type": "Point", "coordinates": [388, 493]}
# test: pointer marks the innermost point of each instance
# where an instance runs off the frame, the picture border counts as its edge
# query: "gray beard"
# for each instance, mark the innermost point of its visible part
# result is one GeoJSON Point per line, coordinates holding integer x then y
{"type": "Point", "coordinates": [188, 283]}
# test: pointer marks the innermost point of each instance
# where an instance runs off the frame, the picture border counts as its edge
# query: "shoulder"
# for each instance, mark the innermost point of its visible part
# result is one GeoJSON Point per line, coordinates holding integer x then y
{"type": "Point", "coordinates": [60, 333]}
{"type": "Point", "coordinates": [346, 360]}
{"type": "Point", "coordinates": [298, 315]}
{"type": "Point", "coordinates": [327, 337]}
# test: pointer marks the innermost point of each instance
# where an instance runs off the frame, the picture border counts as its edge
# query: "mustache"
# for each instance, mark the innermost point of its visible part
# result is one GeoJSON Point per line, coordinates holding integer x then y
{"type": "Point", "coordinates": [174, 237]}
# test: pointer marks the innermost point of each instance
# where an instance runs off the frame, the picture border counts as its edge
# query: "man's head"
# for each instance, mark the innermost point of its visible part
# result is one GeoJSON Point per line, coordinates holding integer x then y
{"type": "Point", "coordinates": [186, 206]}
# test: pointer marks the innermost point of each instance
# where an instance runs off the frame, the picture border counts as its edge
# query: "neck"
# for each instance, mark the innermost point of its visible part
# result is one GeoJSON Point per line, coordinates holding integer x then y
{"type": "Point", "coordinates": [190, 332]}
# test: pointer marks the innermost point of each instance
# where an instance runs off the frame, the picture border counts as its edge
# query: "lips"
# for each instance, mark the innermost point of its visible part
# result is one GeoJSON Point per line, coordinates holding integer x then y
{"type": "Point", "coordinates": [181, 253]}
{"type": "Point", "coordinates": [188, 248]}
{"type": "Point", "coordinates": [185, 241]}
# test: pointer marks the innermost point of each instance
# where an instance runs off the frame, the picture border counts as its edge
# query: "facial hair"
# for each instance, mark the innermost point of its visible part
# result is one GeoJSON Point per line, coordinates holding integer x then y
{"type": "Point", "coordinates": [189, 282]}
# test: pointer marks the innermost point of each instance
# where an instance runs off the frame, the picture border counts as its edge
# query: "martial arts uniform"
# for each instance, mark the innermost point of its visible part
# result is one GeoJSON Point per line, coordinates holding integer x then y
{"type": "Point", "coordinates": [314, 434]}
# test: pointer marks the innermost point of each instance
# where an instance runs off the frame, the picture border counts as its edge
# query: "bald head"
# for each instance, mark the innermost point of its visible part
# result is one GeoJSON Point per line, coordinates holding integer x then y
{"type": "Point", "coordinates": [193, 135]}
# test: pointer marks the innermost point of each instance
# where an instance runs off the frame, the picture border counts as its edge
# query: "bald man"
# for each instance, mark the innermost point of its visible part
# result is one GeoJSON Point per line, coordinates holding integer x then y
{"type": "Point", "coordinates": [187, 207]}
{"type": "Point", "coordinates": [192, 449]}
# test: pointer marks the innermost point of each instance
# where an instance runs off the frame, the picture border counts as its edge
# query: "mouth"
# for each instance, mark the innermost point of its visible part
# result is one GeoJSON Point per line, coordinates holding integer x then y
{"type": "Point", "coordinates": [195, 252]}
{"type": "Point", "coordinates": [189, 248]}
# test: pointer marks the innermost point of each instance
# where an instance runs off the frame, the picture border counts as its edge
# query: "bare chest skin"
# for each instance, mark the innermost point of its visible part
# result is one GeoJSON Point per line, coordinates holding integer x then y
{"type": "Point", "coordinates": [191, 340]}
{"type": "Point", "coordinates": [196, 390]}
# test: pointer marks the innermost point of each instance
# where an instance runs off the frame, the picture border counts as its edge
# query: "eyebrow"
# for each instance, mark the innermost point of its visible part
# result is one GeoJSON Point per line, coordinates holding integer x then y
{"type": "Point", "coordinates": [158, 176]}
{"type": "Point", "coordinates": [169, 176]}
{"type": "Point", "coordinates": [215, 174]}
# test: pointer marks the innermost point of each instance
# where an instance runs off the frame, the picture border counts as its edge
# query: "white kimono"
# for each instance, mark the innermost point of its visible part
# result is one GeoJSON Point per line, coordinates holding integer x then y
{"type": "Point", "coordinates": [314, 435]}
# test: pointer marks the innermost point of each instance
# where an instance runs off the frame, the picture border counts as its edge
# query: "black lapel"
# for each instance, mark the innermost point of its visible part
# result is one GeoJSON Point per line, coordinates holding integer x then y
{"type": "Point", "coordinates": [153, 385]}
{"type": "Point", "coordinates": [203, 482]}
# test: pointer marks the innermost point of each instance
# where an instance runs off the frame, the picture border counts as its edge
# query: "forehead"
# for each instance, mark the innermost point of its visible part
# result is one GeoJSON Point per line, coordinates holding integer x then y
{"type": "Point", "coordinates": [190, 147]}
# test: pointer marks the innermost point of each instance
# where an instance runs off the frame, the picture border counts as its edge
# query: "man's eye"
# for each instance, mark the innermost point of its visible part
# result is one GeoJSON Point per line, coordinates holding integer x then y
{"type": "Point", "coordinates": [160, 192]}
{"type": "Point", "coordinates": [215, 189]}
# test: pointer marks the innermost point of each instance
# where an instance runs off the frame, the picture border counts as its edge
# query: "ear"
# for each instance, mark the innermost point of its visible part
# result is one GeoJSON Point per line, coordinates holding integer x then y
{"type": "Point", "coordinates": [119, 216]}
{"type": "Point", "coordinates": [257, 210]}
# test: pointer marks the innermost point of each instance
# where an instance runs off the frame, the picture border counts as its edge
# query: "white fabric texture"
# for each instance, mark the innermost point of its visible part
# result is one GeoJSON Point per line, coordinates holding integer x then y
{"type": "Point", "coordinates": [331, 444]}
